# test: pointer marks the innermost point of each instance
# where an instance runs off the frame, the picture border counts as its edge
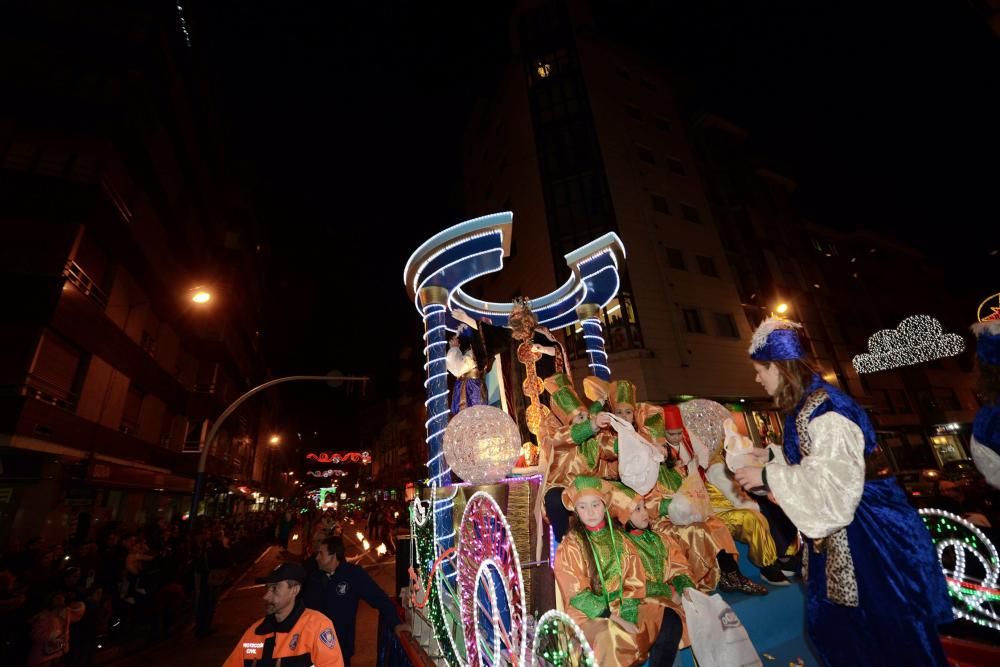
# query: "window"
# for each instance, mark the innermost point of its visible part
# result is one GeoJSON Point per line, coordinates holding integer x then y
{"type": "Point", "coordinates": [707, 266]}
{"type": "Point", "coordinates": [57, 372]}
{"type": "Point", "coordinates": [945, 398]}
{"type": "Point", "coordinates": [662, 124]}
{"type": "Point", "coordinates": [645, 154]}
{"type": "Point", "coordinates": [633, 111]}
{"type": "Point", "coordinates": [148, 343]}
{"type": "Point", "coordinates": [675, 165]}
{"type": "Point", "coordinates": [133, 406]}
{"type": "Point", "coordinates": [675, 259]}
{"type": "Point", "coordinates": [660, 204]}
{"type": "Point", "coordinates": [690, 213]}
{"type": "Point", "coordinates": [900, 402]}
{"type": "Point", "coordinates": [692, 320]}
{"type": "Point", "coordinates": [725, 325]}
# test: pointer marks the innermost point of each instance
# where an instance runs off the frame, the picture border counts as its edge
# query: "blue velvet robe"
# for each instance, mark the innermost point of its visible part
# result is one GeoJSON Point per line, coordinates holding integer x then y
{"type": "Point", "coordinates": [902, 592]}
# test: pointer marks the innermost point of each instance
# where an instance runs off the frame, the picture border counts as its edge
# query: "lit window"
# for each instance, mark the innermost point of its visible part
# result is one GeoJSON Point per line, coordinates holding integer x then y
{"type": "Point", "coordinates": [543, 70]}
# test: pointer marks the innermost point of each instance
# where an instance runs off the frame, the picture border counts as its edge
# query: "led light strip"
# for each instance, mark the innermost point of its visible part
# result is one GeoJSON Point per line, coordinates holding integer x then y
{"type": "Point", "coordinates": [958, 577]}
{"type": "Point", "coordinates": [556, 616]}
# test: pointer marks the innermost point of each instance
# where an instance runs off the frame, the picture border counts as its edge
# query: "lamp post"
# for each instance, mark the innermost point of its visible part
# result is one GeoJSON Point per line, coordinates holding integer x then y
{"type": "Point", "coordinates": [199, 481]}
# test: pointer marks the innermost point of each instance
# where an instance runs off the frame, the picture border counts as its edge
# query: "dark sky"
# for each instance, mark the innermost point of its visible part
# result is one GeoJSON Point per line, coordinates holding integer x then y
{"type": "Point", "coordinates": [350, 114]}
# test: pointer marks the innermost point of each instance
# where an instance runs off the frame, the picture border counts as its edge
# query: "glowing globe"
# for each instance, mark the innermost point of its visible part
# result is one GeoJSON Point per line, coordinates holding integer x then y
{"type": "Point", "coordinates": [481, 444]}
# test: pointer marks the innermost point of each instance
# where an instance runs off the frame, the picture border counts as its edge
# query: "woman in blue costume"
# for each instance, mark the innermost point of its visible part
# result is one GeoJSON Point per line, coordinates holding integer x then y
{"type": "Point", "coordinates": [986, 427]}
{"type": "Point", "coordinates": [875, 590]}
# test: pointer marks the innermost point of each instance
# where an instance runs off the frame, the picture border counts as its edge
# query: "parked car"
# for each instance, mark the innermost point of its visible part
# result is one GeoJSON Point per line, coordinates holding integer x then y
{"type": "Point", "coordinates": [961, 480]}
{"type": "Point", "coordinates": [920, 483]}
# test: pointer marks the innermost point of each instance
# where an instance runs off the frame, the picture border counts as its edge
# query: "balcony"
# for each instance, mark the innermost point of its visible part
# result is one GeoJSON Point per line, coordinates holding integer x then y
{"type": "Point", "coordinates": [44, 420]}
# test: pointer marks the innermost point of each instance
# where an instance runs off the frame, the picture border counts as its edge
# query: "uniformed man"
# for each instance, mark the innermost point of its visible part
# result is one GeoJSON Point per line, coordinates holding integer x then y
{"type": "Point", "coordinates": [290, 635]}
{"type": "Point", "coordinates": [335, 590]}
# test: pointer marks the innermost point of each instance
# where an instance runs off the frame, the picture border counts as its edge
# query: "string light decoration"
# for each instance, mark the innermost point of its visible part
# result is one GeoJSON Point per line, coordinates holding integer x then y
{"type": "Point", "coordinates": [183, 24]}
{"type": "Point", "coordinates": [972, 582]}
{"type": "Point", "coordinates": [917, 339]}
{"type": "Point", "coordinates": [559, 642]}
{"type": "Point", "coordinates": [425, 558]}
{"type": "Point", "coordinates": [705, 419]}
{"type": "Point", "coordinates": [327, 473]}
{"type": "Point", "coordinates": [486, 538]}
{"type": "Point", "coordinates": [593, 338]}
{"type": "Point", "coordinates": [481, 444]}
{"type": "Point", "coordinates": [336, 458]}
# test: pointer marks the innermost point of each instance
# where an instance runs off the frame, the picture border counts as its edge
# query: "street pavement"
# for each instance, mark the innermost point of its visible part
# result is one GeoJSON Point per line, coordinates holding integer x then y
{"type": "Point", "coordinates": [243, 604]}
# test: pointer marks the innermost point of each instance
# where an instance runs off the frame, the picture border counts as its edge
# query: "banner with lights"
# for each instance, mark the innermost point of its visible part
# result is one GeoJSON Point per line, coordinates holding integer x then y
{"type": "Point", "coordinates": [340, 457]}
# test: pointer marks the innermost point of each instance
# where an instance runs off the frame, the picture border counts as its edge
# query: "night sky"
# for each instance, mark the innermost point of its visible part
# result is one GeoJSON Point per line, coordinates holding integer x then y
{"type": "Point", "coordinates": [350, 115]}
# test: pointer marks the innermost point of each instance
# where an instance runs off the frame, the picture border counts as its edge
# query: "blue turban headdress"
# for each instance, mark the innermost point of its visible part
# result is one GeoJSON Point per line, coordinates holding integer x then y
{"type": "Point", "coordinates": [776, 340]}
{"type": "Point", "coordinates": [988, 344]}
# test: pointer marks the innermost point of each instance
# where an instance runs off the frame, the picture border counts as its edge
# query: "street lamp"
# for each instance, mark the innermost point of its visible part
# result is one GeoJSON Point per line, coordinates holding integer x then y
{"type": "Point", "coordinates": [275, 440]}
{"type": "Point", "coordinates": [782, 308]}
{"type": "Point", "coordinates": [199, 481]}
{"type": "Point", "coordinates": [200, 295]}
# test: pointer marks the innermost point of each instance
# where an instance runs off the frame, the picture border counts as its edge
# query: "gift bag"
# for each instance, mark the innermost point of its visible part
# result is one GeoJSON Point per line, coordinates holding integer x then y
{"type": "Point", "coordinates": [690, 503]}
{"type": "Point", "coordinates": [638, 460]}
{"type": "Point", "coordinates": [718, 638]}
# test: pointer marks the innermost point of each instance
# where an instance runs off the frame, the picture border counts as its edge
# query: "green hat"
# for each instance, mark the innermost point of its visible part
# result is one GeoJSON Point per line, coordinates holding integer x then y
{"type": "Point", "coordinates": [585, 485]}
{"type": "Point", "coordinates": [622, 392]}
{"type": "Point", "coordinates": [622, 501]}
{"type": "Point", "coordinates": [563, 399]}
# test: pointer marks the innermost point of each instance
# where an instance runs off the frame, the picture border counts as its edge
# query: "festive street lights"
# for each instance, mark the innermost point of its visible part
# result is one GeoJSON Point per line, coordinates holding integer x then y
{"type": "Point", "coordinates": [199, 481]}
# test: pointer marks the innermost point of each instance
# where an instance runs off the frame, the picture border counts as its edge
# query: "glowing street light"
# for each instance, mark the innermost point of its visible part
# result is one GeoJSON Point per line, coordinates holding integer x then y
{"type": "Point", "coordinates": [782, 308]}
{"type": "Point", "coordinates": [201, 295]}
{"type": "Point", "coordinates": [275, 440]}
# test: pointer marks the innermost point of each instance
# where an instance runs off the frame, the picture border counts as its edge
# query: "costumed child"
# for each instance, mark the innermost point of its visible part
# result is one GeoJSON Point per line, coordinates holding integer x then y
{"type": "Point", "coordinates": [667, 570]}
{"type": "Point", "coordinates": [560, 456]}
{"type": "Point", "coordinates": [986, 426]}
{"type": "Point", "coordinates": [875, 590]}
{"type": "Point", "coordinates": [707, 544]}
{"type": "Point", "coordinates": [742, 517]}
{"type": "Point", "coordinates": [602, 583]}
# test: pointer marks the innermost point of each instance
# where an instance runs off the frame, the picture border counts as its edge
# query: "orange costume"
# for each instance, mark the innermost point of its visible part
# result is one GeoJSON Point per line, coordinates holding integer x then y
{"type": "Point", "coordinates": [600, 576]}
{"type": "Point", "coordinates": [305, 637]}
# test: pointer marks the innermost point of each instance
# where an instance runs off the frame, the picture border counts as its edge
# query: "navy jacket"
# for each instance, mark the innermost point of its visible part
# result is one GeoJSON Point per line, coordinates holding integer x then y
{"type": "Point", "coordinates": [336, 596]}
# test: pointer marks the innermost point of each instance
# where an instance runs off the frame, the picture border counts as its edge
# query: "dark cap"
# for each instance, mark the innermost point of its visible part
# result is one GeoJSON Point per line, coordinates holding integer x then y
{"type": "Point", "coordinates": [284, 572]}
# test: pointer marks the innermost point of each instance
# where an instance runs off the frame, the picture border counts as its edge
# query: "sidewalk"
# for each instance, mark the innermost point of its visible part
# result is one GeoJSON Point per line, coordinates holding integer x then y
{"type": "Point", "coordinates": [240, 606]}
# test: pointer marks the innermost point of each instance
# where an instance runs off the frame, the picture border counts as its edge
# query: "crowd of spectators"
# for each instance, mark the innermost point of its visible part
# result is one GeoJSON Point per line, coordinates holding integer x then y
{"type": "Point", "coordinates": [63, 604]}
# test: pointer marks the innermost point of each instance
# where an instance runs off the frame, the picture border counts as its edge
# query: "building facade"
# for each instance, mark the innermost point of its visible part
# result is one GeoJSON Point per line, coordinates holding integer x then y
{"type": "Point", "coordinates": [584, 136]}
{"type": "Point", "coordinates": [118, 208]}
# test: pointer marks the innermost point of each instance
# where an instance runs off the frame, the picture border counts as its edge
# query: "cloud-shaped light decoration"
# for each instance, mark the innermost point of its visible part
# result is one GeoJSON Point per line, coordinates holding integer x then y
{"type": "Point", "coordinates": [917, 339]}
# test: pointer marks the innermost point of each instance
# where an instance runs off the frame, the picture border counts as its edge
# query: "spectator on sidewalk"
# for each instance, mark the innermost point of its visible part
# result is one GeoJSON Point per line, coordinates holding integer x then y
{"type": "Point", "coordinates": [335, 590]}
{"type": "Point", "coordinates": [213, 565]}
{"type": "Point", "coordinates": [50, 630]}
{"type": "Point", "coordinates": [290, 633]}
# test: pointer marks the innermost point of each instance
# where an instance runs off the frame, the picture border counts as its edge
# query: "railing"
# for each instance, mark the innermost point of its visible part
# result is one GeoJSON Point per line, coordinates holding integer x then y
{"type": "Point", "coordinates": [76, 275]}
{"type": "Point", "coordinates": [401, 651]}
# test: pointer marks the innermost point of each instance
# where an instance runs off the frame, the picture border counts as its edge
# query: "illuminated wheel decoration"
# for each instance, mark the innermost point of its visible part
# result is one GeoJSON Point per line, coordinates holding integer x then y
{"type": "Point", "coordinates": [970, 564]}
{"type": "Point", "coordinates": [559, 642]}
{"type": "Point", "coordinates": [489, 578]}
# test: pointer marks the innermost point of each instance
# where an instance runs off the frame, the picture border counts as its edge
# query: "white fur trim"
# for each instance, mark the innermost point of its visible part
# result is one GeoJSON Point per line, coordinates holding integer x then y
{"type": "Point", "coordinates": [992, 327]}
{"type": "Point", "coordinates": [759, 339]}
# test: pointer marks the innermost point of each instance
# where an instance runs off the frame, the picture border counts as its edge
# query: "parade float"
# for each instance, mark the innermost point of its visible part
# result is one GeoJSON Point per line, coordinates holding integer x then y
{"type": "Point", "coordinates": [482, 589]}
